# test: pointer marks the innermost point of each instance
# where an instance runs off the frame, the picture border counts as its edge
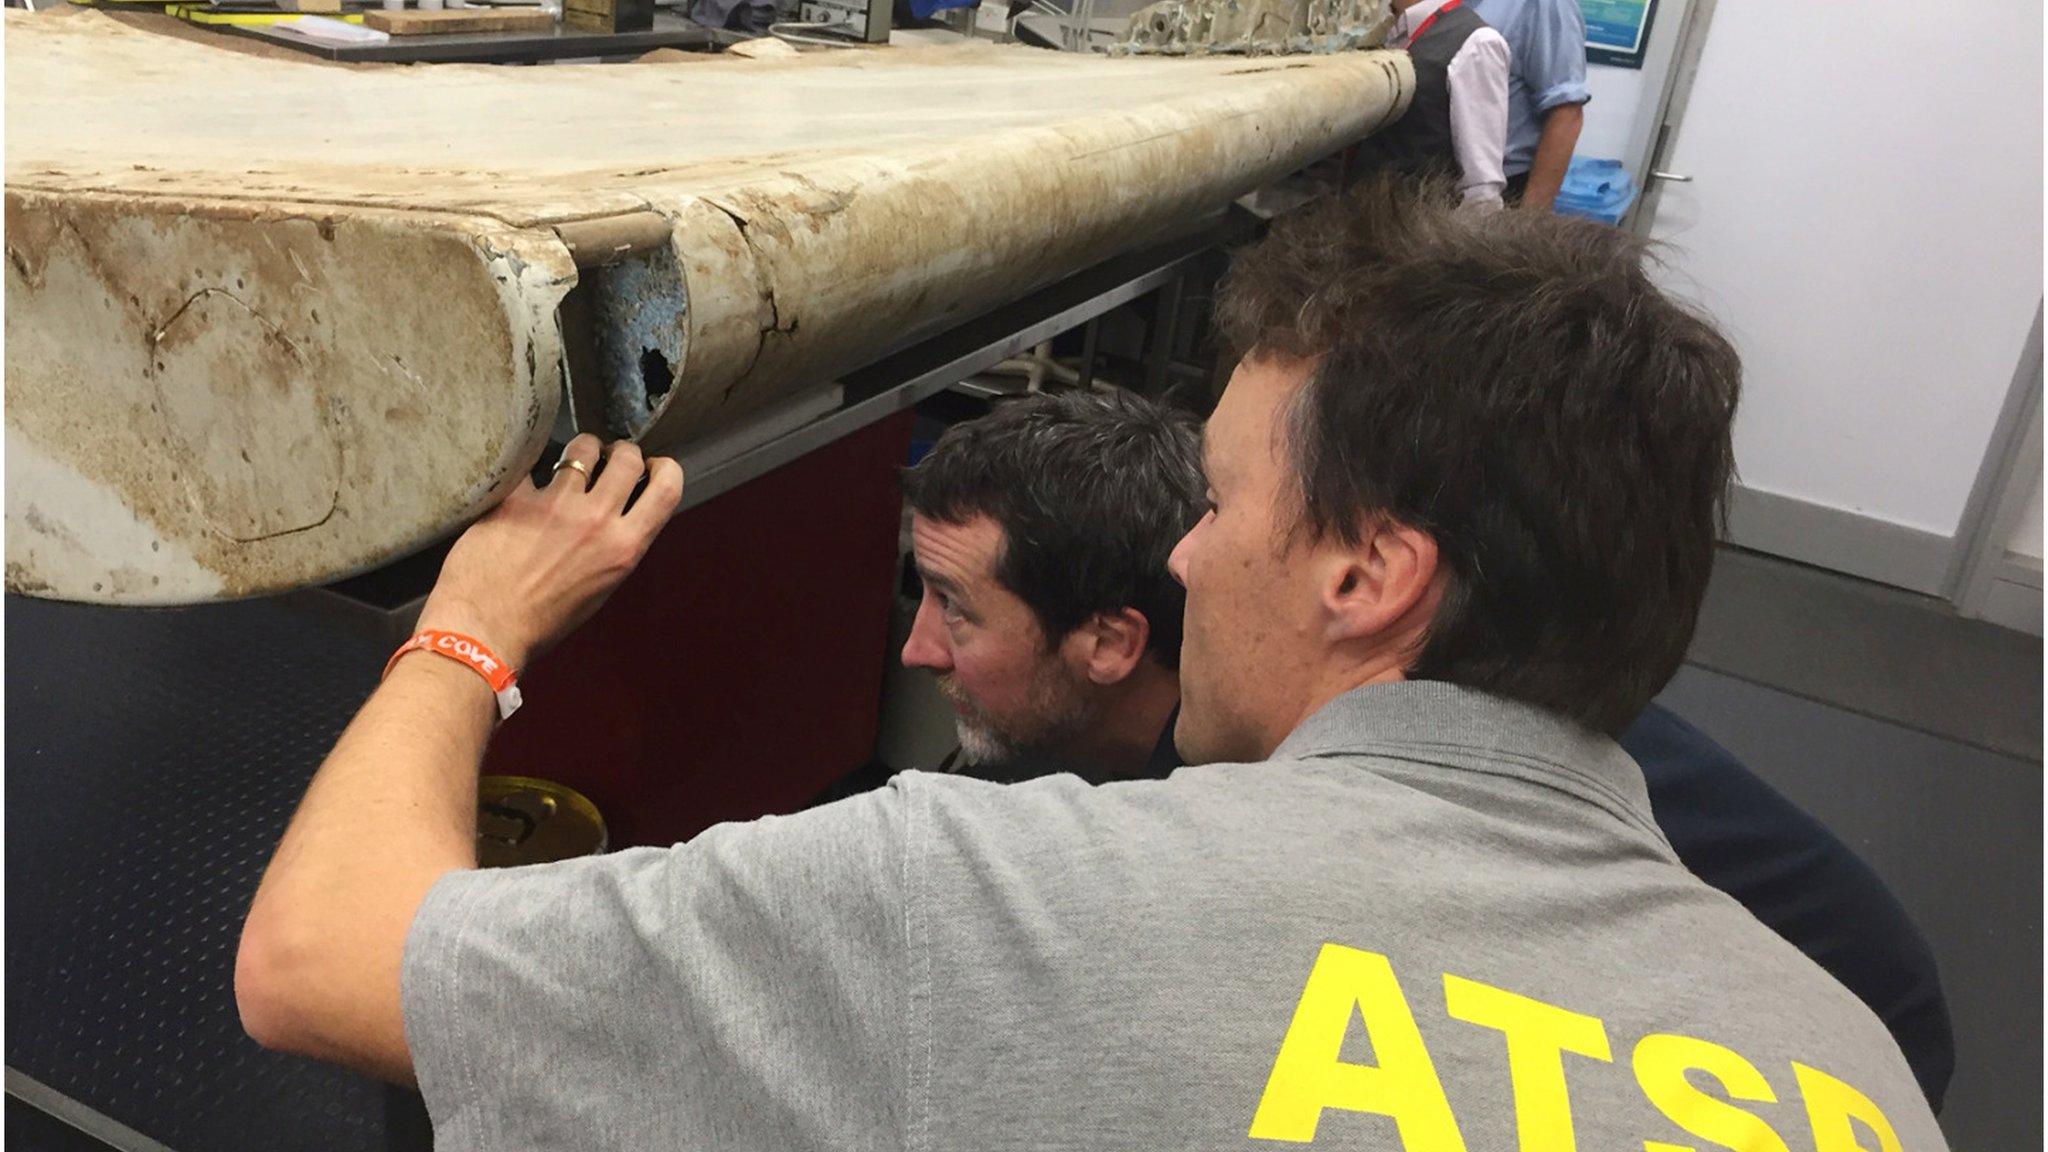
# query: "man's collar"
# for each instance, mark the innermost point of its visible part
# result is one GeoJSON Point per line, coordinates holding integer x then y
{"type": "Point", "coordinates": [1407, 22]}
{"type": "Point", "coordinates": [1467, 725]}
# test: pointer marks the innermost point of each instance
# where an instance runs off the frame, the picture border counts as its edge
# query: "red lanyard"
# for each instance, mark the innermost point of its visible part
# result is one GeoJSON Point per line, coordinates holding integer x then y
{"type": "Point", "coordinates": [1417, 34]}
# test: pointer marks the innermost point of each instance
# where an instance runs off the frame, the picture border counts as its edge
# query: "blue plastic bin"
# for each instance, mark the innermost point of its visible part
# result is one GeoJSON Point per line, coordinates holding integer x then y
{"type": "Point", "coordinates": [1596, 189]}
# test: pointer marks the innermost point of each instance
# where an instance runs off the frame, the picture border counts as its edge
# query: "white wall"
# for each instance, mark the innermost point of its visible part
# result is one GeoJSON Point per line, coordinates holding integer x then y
{"type": "Point", "coordinates": [1866, 221]}
{"type": "Point", "coordinates": [1611, 114]}
{"type": "Point", "coordinates": [2026, 535]}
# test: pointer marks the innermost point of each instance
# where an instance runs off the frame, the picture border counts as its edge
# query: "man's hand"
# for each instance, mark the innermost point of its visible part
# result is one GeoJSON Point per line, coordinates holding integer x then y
{"type": "Point", "coordinates": [543, 561]}
{"type": "Point", "coordinates": [394, 807]}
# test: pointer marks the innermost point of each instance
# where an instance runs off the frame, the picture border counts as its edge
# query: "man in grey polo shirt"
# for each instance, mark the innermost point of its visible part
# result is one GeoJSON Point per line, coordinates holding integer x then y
{"type": "Point", "coordinates": [1464, 489]}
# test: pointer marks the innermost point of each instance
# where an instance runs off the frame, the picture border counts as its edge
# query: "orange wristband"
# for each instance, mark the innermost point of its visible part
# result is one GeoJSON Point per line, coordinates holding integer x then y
{"type": "Point", "coordinates": [472, 654]}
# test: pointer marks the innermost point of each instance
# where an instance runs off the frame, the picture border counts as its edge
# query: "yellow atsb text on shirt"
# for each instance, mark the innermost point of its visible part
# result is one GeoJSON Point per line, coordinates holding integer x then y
{"type": "Point", "coordinates": [1309, 1076]}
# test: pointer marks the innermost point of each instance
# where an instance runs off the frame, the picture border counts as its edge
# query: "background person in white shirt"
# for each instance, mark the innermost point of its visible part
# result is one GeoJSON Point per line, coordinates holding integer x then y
{"type": "Point", "coordinates": [1458, 121]}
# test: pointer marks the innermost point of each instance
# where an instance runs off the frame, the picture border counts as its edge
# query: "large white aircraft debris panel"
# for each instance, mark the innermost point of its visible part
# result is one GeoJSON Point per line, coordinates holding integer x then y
{"type": "Point", "coordinates": [271, 322]}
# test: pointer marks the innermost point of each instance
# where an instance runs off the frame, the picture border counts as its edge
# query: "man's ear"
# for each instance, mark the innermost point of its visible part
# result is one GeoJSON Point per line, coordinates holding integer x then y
{"type": "Point", "coordinates": [1108, 646]}
{"type": "Point", "coordinates": [1374, 587]}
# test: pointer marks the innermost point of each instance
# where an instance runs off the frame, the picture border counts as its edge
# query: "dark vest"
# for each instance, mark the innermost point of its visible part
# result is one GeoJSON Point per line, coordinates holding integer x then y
{"type": "Point", "coordinates": [1420, 141]}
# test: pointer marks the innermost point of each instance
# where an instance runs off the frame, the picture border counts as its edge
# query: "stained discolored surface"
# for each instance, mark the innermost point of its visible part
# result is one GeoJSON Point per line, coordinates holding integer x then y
{"type": "Point", "coordinates": [1177, 27]}
{"type": "Point", "coordinates": [640, 316]}
{"type": "Point", "coordinates": [821, 211]}
{"type": "Point", "coordinates": [244, 420]}
{"type": "Point", "coordinates": [207, 403]}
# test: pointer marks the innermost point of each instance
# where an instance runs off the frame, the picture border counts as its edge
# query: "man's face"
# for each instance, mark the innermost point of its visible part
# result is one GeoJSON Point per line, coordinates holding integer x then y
{"type": "Point", "coordinates": [1251, 625]}
{"type": "Point", "coordinates": [1012, 692]}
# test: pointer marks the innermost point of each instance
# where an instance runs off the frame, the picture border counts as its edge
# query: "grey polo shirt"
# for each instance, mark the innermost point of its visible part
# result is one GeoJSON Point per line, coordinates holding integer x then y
{"type": "Point", "coordinates": [1434, 920]}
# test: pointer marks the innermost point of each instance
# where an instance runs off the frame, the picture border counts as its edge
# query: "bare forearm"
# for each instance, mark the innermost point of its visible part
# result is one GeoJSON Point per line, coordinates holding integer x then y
{"type": "Point", "coordinates": [1553, 155]}
{"type": "Point", "coordinates": [394, 807]}
{"type": "Point", "coordinates": [391, 811]}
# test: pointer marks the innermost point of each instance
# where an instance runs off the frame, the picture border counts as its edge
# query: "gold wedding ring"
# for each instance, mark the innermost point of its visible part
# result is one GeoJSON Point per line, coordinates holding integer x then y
{"type": "Point", "coordinates": [578, 465]}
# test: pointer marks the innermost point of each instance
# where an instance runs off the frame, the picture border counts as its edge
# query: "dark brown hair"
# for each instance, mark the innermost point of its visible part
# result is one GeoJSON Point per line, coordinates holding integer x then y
{"type": "Point", "coordinates": [1514, 385]}
{"type": "Point", "coordinates": [1092, 491]}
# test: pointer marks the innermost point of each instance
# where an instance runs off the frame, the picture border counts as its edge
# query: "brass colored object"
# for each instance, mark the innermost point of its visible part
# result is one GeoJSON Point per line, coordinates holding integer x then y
{"type": "Point", "coordinates": [521, 820]}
